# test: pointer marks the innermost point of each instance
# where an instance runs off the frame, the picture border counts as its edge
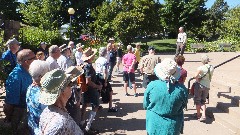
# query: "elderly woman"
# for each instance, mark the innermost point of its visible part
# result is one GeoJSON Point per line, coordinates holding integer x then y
{"type": "Point", "coordinates": [203, 78]}
{"type": "Point", "coordinates": [55, 92]}
{"type": "Point", "coordinates": [164, 100]}
{"type": "Point", "coordinates": [102, 74]}
{"type": "Point", "coordinates": [37, 69]}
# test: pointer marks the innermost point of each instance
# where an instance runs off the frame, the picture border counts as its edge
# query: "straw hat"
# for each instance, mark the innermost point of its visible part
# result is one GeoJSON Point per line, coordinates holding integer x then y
{"type": "Point", "coordinates": [111, 39]}
{"type": "Point", "coordinates": [89, 53]}
{"type": "Point", "coordinates": [54, 82]}
{"type": "Point", "coordinates": [167, 69]}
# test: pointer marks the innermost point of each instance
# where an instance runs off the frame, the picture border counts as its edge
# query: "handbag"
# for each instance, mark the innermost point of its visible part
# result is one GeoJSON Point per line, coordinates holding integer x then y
{"type": "Point", "coordinates": [196, 85]}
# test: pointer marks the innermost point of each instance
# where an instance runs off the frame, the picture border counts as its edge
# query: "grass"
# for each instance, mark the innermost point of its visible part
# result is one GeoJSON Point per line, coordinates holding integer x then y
{"type": "Point", "coordinates": [165, 45]}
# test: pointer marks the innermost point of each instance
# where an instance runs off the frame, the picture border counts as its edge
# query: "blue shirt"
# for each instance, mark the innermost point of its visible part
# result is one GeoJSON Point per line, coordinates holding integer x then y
{"type": "Point", "coordinates": [16, 86]}
{"type": "Point", "coordinates": [10, 57]}
{"type": "Point", "coordinates": [34, 108]}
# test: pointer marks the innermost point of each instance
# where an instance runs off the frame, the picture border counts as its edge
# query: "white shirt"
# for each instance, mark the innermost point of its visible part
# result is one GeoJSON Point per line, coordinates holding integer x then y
{"type": "Point", "coordinates": [101, 64]}
{"type": "Point", "coordinates": [63, 62]}
{"type": "Point", "coordinates": [205, 81]}
{"type": "Point", "coordinates": [78, 56]}
{"type": "Point", "coordinates": [182, 37]}
{"type": "Point", "coordinates": [52, 62]}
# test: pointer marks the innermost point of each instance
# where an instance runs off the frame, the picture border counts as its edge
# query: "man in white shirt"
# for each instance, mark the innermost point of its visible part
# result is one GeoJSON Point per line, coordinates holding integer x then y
{"type": "Point", "coordinates": [64, 61]}
{"type": "Point", "coordinates": [54, 54]}
{"type": "Point", "coordinates": [181, 42]}
{"type": "Point", "coordinates": [79, 53]}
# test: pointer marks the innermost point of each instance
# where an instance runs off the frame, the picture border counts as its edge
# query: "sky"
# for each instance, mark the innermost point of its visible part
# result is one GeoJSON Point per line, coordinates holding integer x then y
{"type": "Point", "coordinates": [209, 3]}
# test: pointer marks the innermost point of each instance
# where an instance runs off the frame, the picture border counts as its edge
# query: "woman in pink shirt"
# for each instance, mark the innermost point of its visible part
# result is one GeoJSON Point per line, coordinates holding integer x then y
{"type": "Point", "coordinates": [128, 62]}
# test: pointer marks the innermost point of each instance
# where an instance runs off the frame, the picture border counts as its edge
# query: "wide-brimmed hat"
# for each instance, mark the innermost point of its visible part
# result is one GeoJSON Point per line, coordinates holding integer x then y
{"type": "Point", "coordinates": [12, 42]}
{"type": "Point", "coordinates": [64, 47]}
{"type": "Point", "coordinates": [79, 45]}
{"type": "Point", "coordinates": [54, 82]}
{"type": "Point", "coordinates": [167, 69]}
{"type": "Point", "coordinates": [89, 53]}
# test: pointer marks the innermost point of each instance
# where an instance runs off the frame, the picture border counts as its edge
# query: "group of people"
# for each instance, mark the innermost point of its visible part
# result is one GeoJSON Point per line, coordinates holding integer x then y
{"type": "Point", "coordinates": [44, 94]}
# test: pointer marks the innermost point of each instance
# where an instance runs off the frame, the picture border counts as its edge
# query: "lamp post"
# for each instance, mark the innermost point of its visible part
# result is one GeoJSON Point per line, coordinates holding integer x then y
{"type": "Point", "coordinates": [71, 12]}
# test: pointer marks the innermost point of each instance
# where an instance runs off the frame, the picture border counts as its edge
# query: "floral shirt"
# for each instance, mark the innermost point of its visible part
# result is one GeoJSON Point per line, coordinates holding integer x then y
{"type": "Point", "coordinates": [54, 120]}
{"type": "Point", "coordinates": [34, 108]}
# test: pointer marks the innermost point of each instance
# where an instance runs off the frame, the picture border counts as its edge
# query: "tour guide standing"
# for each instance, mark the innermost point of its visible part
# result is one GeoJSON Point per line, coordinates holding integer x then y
{"type": "Point", "coordinates": [147, 64]}
{"type": "Point", "coordinates": [181, 41]}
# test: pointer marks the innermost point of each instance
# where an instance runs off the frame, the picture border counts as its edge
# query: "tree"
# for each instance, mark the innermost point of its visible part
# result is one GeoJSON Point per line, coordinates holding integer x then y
{"type": "Point", "coordinates": [213, 25]}
{"type": "Point", "coordinates": [42, 13]}
{"type": "Point", "coordinates": [230, 26]}
{"type": "Point", "coordinates": [126, 19]}
{"type": "Point", "coordinates": [188, 13]}
{"type": "Point", "coordinates": [8, 10]}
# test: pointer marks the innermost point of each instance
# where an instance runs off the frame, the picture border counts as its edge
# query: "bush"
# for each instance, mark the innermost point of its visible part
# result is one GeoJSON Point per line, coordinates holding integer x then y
{"type": "Point", "coordinates": [32, 36]}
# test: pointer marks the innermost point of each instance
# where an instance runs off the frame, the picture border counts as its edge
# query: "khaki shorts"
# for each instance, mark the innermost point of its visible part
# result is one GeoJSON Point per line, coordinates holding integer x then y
{"type": "Point", "coordinates": [200, 94]}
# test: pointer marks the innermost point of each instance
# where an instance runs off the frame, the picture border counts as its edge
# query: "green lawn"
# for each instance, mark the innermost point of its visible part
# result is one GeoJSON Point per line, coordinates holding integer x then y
{"type": "Point", "coordinates": [165, 45]}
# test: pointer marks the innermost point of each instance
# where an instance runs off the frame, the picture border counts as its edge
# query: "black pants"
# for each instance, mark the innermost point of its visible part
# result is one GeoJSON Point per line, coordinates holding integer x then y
{"type": "Point", "coordinates": [111, 66]}
{"type": "Point", "coordinates": [179, 49]}
{"type": "Point", "coordinates": [147, 79]}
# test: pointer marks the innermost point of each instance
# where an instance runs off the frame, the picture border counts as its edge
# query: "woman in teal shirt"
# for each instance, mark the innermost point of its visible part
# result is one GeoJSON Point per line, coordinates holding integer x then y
{"type": "Point", "coordinates": [164, 100]}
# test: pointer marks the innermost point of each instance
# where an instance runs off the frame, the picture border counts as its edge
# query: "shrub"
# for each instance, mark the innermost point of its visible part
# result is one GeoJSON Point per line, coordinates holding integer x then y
{"type": "Point", "coordinates": [32, 36]}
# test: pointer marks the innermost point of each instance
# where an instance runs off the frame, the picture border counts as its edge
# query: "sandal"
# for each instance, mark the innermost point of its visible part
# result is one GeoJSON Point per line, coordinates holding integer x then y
{"type": "Point", "coordinates": [112, 109]}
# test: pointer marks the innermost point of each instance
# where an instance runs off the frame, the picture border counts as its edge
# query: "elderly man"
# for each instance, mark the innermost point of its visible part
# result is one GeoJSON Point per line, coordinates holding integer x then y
{"type": "Point", "coordinates": [181, 42]}
{"type": "Point", "coordinates": [54, 54]}
{"type": "Point", "coordinates": [147, 64]}
{"type": "Point", "coordinates": [64, 60]}
{"type": "Point", "coordinates": [10, 55]}
{"type": "Point", "coordinates": [16, 87]}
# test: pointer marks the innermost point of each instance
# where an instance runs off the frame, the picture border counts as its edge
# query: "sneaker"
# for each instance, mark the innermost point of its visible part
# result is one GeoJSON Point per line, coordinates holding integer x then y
{"type": "Point", "coordinates": [202, 119]}
{"type": "Point", "coordinates": [127, 94]}
{"type": "Point", "coordinates": [112, 109]}
{"type": "Point", "coordinates": [135, 95]}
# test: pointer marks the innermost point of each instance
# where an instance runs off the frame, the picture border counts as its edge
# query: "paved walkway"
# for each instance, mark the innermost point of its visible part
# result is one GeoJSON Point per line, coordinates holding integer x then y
{"type": "Point", "coordinates": [130, 119]}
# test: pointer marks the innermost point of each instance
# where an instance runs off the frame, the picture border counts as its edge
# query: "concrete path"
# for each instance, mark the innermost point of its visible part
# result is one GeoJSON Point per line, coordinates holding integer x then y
{"type": "Point", "coordinates": [130, 119]}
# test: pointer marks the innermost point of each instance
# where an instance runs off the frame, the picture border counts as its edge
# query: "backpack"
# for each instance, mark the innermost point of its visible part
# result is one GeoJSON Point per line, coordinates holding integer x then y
{"type": "Point", "coordinates": [81, 80]}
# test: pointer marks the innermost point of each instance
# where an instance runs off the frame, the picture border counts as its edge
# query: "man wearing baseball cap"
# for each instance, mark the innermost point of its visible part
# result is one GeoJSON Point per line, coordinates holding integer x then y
{"type": "Point", "coordinates": [147, 64]}
{"type": "Point", "coordinates": [10, 55]}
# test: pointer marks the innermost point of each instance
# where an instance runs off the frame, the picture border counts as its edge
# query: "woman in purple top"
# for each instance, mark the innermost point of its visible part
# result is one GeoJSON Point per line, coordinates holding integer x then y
{"type": "Point", "coordinates": [128, 62]}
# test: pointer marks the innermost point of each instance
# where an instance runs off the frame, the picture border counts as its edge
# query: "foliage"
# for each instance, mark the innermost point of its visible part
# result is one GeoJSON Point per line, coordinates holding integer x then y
{"type": "Point", "coordinates": [32, 36]}
{"type": "Point", "coordinates": [189, 14]}
{"type": "Point", "coordinates": [125, 19]}
{"type": "Point", "coordinates": [231, 26]}
{"type": "Point", "coordinates": [3, 75]}
{"type": "Point", "coordinates": [213, 24]}
{"type": "Point", "coordinates": [42, 13]}
{"type": "Point", "coordinates": [8, 10]}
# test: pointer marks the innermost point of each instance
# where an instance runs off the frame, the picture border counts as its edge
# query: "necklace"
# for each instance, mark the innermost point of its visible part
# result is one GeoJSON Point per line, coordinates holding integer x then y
{"type": "Point", "coordinates": [63, 109]}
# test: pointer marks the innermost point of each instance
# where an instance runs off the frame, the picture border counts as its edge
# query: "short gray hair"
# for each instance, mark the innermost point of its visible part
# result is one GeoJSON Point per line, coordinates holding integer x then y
{"type": "Point", "coordinates": [102, 51]}
{"type": "Point", "coordinates": [38, 68]}
{"type": "Point", "coordinates": [129, 48]}
{"type": "Point", "coordinates": [204, 58]}
{"type": "Point", "coordinates": [52, 49]}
